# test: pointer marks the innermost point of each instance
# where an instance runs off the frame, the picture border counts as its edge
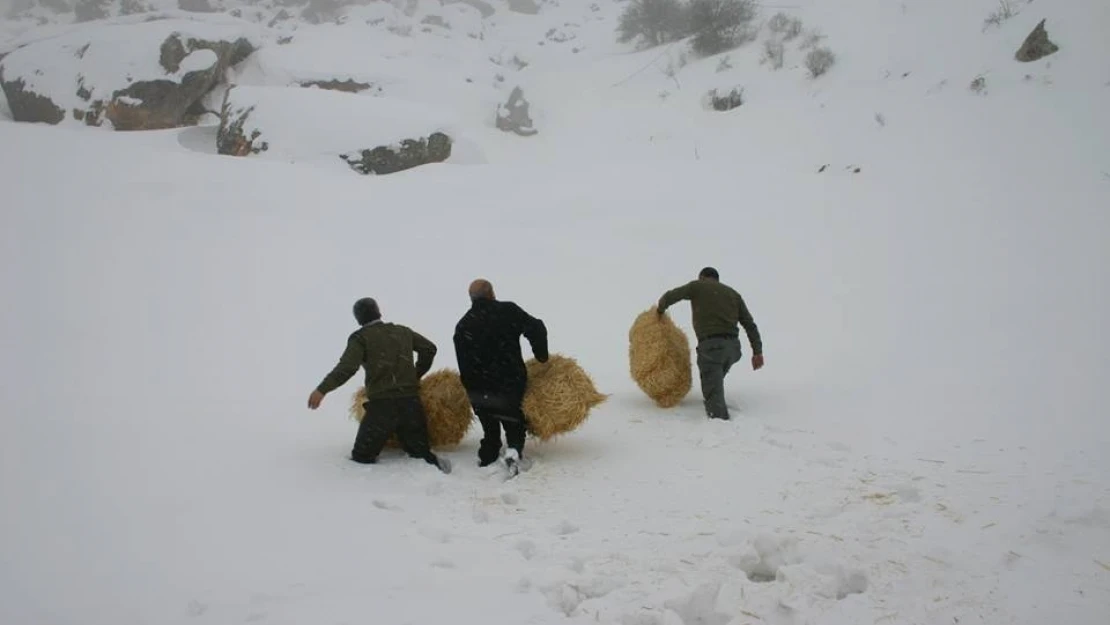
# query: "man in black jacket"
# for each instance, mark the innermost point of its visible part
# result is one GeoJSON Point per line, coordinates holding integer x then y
{"type": "Point", "coordinates": [487, 345]}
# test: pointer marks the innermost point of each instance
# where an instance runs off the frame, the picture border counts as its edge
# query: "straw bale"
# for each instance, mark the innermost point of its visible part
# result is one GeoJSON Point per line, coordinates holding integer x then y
{"type": "Point", "coordinates": [659, 358]}
{"type": "Point", "coordinates": [445, 402]}
{"type": "Point", "coordinates": [559, 397]}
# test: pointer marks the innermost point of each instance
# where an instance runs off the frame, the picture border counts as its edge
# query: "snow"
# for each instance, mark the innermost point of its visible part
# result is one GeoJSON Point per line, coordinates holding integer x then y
{"type": "Point", "coordinates": [926, 444]}
{"type": "Point", "coordinates": [304, 123]}
{"type": "Point", "coordinates": [197, 61]}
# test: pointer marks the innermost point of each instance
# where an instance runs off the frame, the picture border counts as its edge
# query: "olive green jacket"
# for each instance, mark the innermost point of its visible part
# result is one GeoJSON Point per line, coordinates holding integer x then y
{"type": "Point", "coordinates": [717, 309]}
{"type": "Point", "coordinates": [385, 351]}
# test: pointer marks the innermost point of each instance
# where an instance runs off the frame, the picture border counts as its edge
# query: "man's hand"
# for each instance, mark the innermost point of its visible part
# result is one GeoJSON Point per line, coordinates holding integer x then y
{"type": "Point", "coordinates": [757, 362]}
{"type": "Point", "coordinates": [314, 399]}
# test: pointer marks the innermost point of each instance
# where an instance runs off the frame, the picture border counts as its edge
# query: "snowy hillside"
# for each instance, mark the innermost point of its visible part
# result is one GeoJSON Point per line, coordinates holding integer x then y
{"type": "Point", "coordinates": [926, 262]}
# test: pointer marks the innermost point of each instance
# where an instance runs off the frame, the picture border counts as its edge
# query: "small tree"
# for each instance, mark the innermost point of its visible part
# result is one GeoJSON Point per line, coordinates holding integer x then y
{"type": "Point", "coordinates": [774, 53]}
{"type": "Point", "coordinates": [819, 60]}
{"type": "Point", "coordinates": [653, 22]}
{"type": "Point", "coordinates": [89, 10]}
{"type": "Point", "coordinates": [718, 24]}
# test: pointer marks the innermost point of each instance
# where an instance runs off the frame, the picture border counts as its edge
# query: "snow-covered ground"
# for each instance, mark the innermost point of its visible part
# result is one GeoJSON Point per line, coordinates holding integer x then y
{"type": "Point", "coordinates": [927, 443]}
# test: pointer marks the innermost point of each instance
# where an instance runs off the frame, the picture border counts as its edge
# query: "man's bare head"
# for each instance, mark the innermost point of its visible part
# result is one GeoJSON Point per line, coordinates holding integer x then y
{"type": "Point", "coordinates": [481, 289]}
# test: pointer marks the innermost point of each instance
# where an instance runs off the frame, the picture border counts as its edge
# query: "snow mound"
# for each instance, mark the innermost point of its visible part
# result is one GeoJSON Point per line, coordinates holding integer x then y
{"type": "Point", "coordinates": [294, 123]}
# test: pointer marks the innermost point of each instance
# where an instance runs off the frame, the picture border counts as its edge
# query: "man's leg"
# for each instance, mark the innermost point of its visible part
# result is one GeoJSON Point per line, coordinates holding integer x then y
{"type": "Point", "coordinates": [412, 431]}
{"type": "Point", "coordinates": [516, 430]}
{"type": "Point", "coordinates": [713, 354]}
{"type": "Point", "coordinates": [735, 352]}
{"type": "Point", "coordinates": [378, 423]}
{"type": "Point", "coordinates": [490, 447]}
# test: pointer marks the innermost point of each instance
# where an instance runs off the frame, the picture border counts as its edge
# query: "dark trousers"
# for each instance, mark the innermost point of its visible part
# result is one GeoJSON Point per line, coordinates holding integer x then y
{"type": "Point", "coordinates": [716, 355]}
{"type": "Point", "coordinates": [384, 417]}
{"type": "Point", "coordinates": [497, 412]}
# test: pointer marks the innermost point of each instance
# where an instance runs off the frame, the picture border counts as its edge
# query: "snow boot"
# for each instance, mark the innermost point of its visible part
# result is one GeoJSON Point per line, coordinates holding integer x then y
{"type": "Point", "coordinates": [443, 464]}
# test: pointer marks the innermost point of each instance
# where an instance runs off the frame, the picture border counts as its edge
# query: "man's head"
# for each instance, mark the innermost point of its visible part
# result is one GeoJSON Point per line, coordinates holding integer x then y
{"type": "Point", "coordinates": [481, 289]}
{"type": "Point", "coordinates": [366, 310]}
{"type": "Point", "coordinates": [710, 273]}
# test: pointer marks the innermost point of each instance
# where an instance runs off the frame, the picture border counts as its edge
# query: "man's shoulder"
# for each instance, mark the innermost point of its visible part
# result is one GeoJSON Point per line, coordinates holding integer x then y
{"type": "Point", "coordinates": [384, 327]}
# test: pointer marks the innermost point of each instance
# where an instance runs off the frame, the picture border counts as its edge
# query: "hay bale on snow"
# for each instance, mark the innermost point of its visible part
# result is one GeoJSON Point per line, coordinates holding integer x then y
{"type": "Point", "coordinates": [559, 397]}
{"type": "Point", "coordinates": [445, 402]}
{"type": "Point", "coordinates": [659, 358]}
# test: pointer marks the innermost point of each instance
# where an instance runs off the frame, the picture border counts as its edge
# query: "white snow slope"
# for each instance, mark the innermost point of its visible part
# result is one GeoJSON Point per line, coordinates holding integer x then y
{"type": "Point", "coordinates": [927, 443]}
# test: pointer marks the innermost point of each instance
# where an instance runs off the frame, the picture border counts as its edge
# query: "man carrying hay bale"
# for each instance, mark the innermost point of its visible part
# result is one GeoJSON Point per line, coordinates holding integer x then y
{"type": "Point", "coordinates": [717, 309]}
{"type": "Point", "coordinates": [487, 345]}
{"type": "Point", "coordinates": [385, 351]}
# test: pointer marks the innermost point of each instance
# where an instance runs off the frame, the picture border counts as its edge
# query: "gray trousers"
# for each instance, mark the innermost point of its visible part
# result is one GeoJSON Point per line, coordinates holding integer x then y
{"type": "Point", "coordinates": [715, 357]}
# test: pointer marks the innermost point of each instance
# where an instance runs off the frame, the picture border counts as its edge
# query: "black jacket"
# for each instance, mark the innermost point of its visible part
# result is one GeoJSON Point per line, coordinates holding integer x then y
{"type": "Point", "coordinates": [487, 345]}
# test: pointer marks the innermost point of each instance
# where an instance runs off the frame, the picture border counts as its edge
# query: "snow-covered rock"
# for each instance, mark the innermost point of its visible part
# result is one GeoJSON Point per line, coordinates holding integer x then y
{"type": "Point", "coordinates": [373, 135]}
{"type": "Point", "coordinates": [513, 115]}
{"type": "Point", "coordinates": [138, 76]}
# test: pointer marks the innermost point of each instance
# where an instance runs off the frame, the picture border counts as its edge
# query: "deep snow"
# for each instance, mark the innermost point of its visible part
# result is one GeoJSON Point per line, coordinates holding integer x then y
{"type": "Point", "coordinates": [927, 443]}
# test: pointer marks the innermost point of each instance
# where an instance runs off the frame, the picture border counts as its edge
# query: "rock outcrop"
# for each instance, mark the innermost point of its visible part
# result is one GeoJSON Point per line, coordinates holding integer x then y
{"type": "Point", "coordinates": [513, 115]}
{"type": "Point", "coordinates": [136, 76]}
{"type": "Point", "coordinates": [1036, 46]}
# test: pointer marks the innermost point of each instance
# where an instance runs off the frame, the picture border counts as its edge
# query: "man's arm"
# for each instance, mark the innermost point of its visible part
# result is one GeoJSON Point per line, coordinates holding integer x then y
{"type": "Point", "coordinates": [752, 330]}
{"type": "Point", "coordinates": [672, 297]}
{"type": "Point", "coordinates": [536, 332]}
{"type": "Point", "coordinates": [425, 353]}
{"type": "Point", "coordinates": [347, 366]}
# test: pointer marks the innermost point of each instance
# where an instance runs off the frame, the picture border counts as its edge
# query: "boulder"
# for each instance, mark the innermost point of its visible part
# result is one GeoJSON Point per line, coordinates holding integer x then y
{"type": "Point", "coordinates": [1036, 45]}
{"type": "Point", "coordinates": [513, 115]}
{"type": "Point", "coordinates": [27, 105]}
{"type": "Point", "coordinates": [196, 6]}
{"type": "Point", "coordinates": [372, 135]}
{"type": "Point", "coordinates": [527, 7]}
{"type": "Point", "coordinates": [137, 76]}
{"type": "Point", "coordinates": [349, 85]}
{"type": "Point", "coordinates": [409, 153]}
{"type": "Point", "coordinates": [484, 8]}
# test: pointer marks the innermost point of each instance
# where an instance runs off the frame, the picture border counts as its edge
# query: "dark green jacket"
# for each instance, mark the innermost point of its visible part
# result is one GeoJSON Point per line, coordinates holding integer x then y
{"type": "Point", "coordinates": [717, 309]}
{"type": "Point", "coordinates": [385, 351]}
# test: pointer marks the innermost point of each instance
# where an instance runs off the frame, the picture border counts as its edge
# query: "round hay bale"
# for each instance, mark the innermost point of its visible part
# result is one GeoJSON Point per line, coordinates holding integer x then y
{"type": "Point", "coordinates": [445, 402]}
{"type": "Point", "coordinates": [659, 358]}
{"type": "Point", "coordinates": [559, 396]}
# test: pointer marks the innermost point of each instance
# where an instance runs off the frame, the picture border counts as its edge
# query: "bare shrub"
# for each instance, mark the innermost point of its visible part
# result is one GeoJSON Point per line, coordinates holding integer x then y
{"type": "Point", "coordinates": [785, 26]}
{"type": "Point", "coordinates": [819, 61]}
{"type": "Point", "coordinates": [811, 39]}
{"type": "Point", "coordinates": [774, 53]}
{"type": "Point", "coordinates": [652, 22]}
{"type": "Point", "coordinates": [720, 25]}
{"type": "Point", "coordinates": [996, 17]}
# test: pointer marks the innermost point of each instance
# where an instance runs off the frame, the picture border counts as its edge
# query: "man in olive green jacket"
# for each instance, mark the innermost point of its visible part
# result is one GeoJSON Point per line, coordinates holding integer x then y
{"type": "Point", "coordinates": [385, 351]}
{"type": "Point", "coordinates": [717, 309]}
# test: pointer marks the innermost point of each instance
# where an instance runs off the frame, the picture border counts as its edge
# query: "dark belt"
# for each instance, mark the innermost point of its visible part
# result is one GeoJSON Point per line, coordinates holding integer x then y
{"type": "Point", "coordinates": [721, 336]}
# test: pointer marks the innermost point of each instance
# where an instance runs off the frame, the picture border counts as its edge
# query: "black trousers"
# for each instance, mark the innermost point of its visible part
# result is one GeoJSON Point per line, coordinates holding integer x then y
{"type": "Point", "coordinates": [499, 412]}
{"type": "Point", "coordinates": [384, 417]}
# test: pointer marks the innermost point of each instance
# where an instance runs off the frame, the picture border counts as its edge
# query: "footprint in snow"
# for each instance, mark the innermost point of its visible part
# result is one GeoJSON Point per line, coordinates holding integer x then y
{"type": "Point", "coordinates": [510, 498]}
{"type": "Point", "coordinates": [435, 535]}
{"type": "Point", "coordinates": [385, 505]}
{"type": "Point", "coordinates": [443, 564]}
{"type": "Point", "coordinates": [565, 528]}
{"type": "Point", "coordinates": [196, 608]}
{"type": "Point", "coordinates": [526, 548]}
